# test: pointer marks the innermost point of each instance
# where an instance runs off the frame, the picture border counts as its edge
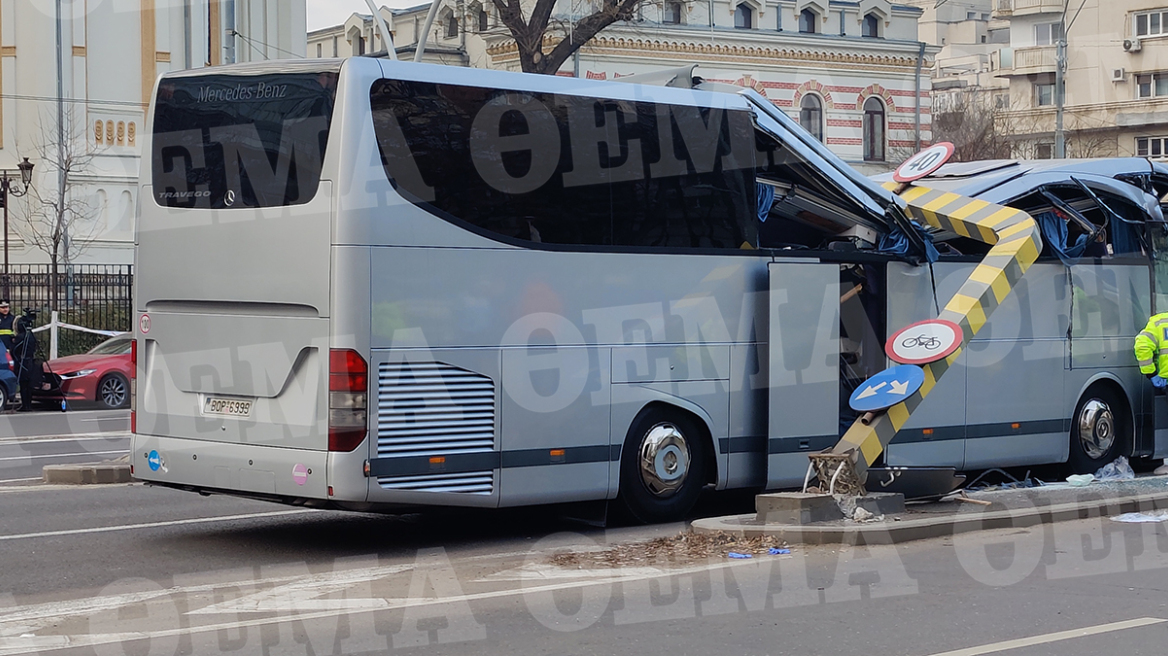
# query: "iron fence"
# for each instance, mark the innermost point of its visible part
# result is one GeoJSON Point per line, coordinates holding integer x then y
{"type": "Point", "coordinates": [98, 296]}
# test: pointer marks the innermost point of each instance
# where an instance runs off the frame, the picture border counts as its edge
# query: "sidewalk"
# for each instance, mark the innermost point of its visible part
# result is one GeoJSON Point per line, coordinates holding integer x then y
{"type": "Point", "coordinates": [1017, 508]}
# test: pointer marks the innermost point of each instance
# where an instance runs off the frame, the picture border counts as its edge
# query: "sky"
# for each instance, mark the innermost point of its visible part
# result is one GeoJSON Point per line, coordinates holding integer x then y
{"type": "Point", "coordinates": [327, 13]}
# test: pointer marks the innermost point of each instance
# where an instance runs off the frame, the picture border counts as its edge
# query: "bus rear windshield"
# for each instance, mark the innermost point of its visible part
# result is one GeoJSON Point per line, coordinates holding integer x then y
{"type": "Point", "coordinates": [225, 141]}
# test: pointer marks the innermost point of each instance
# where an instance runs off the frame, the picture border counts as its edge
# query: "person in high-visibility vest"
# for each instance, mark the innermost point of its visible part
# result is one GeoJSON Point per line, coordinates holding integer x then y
{"type": "Point", "coordinates": [7, 331]}
{"type": "Point", "coordinates": [1151, 349]}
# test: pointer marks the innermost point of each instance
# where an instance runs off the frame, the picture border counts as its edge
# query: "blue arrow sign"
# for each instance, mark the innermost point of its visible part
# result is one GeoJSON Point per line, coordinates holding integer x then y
{"type": "Point", "coordinates": [887, 388]}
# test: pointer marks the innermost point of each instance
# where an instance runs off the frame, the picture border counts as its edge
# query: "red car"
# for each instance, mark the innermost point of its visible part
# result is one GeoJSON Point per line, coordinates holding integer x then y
{"type": "Point", "coordinates": [101, 375]}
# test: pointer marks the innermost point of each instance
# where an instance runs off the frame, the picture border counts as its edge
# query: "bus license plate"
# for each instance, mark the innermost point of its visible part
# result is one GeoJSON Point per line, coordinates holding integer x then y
{"type": "Point", "coordinates": [227, 407]}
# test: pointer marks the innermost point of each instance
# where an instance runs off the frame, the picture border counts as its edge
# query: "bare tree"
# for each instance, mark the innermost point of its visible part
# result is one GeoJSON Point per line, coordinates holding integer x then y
{"type": "Point", "coordinates": [973, 122]}
{"type": "Point", "coordinates": [539, 29]}
{"type": "Point", "coordinates": [59, 214]}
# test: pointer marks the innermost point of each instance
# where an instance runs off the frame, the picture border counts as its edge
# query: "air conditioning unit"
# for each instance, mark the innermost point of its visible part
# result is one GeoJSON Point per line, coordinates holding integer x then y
{"type": "Point", "coordinates": [1131, 45]}
{"type": "Point", "coordinates": [1118, 75]}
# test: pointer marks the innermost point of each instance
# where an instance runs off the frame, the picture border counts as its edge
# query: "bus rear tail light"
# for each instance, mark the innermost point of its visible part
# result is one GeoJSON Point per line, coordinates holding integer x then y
{"type": "Point", "coordinates": [133, 386]}
{"type": "Point", "coordinates": [348, 399]}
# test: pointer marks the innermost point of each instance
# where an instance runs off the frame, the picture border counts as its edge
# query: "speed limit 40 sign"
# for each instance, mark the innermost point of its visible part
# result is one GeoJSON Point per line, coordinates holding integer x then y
{"type": "Point", "coordinates": [924, 162]}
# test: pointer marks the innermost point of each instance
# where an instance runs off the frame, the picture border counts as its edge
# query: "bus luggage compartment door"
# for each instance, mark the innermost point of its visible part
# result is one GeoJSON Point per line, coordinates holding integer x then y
{"type": "Point", "coordinates": [1160, 406]}
{"type": "Point", "coordinates": [803, 366]}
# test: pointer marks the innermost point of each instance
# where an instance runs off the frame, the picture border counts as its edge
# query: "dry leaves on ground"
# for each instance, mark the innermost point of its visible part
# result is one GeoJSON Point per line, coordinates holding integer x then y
{"type": "Point", "coordinates": [683, 549]}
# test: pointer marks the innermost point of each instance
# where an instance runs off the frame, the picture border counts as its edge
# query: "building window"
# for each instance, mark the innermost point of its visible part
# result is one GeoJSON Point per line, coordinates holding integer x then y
{"type": "Point", "coordinates": [360, 45]}
{"type": "Point", "coordinates": [807, 21]}
{"type": "Point", "coordinates": [482, 16]}
{"type": "Point", "coordinates": [672, 13]}
{"type": "Point", "coordinates": [1152, 85]}
{"type": "Point", "coordinates": [1043, 95]}
{"type": "Point", "coordinates": [451, 26]}
{"type": "Point", "coordinates": [811, 115]}
{"type": "Point", "coordinates": [1156, 147]}
{"type": "Point", "coordinates": [1001, 101]}
{"type": "Point", "coordinates": [1044, 150]}
{"type": "Point", "coordinates": [743, 17]}
{"type": "Point", "coordinates": [319, 50]}
{"type": "Point", "coordinates": [1048, 34]}
{"type": "Point", "coordinates": [873, 130]}
{"type": "Point", "coordinates": [1154, 23]}
{"type": "Point", "coordinates": [336, 46]}
{"type": "Point", "coordinates": [871, 27]}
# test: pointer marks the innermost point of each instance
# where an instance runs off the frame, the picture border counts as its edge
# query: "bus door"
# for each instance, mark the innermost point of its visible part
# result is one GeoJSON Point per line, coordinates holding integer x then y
{"type": "Point", "coordinates": [804, 392]}
{"type": "Point", "coordinates": [1158, 238]}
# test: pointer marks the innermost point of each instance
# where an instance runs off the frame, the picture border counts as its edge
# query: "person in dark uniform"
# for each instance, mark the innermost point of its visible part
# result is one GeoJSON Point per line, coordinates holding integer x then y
{"type": "Point", "coordinates": [7, 327]}
{"type": "Point", "coordinates": [24, 347]}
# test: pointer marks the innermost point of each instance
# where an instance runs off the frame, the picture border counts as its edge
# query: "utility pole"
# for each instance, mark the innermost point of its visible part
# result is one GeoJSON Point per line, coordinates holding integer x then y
{"type": "Point", "coordinates": [1060, 69]}
{"type": "Point", "coordinates": [1060, 65]}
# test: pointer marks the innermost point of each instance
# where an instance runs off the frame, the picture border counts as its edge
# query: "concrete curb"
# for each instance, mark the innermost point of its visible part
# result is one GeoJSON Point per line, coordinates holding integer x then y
{"type": "Point", "coordinates": [903, 529]}
{"type": "Point", "coordinates": [99, 473]}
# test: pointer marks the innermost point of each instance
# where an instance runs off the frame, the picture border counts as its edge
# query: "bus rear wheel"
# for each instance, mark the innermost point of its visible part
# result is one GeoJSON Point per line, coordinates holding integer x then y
{"type": "Point", "coordinates": [1099, 430]}
{"type": "Point", "coordinates": [662, 466]}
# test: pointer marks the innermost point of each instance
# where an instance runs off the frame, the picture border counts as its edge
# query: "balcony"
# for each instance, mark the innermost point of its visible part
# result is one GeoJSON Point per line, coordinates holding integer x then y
{"type": "Point", "coordinates": [1029, 7]}
{"type": "Point", "coordinates": [1032, 61]}
{"type": "Point", "coordinates": [1003, 9]}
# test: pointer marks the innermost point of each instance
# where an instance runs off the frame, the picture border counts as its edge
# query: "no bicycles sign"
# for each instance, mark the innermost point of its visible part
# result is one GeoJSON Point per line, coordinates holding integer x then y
{"type": "Point", "coordinates": [924, 342]}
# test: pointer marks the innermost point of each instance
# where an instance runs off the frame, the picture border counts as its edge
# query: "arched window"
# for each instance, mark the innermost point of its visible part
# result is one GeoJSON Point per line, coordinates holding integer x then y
{"type": "Point", "coordinates": [871, 26]}
{"type": "Point", "coordinates": [482, 16]}
{"type": "Point", "coordinates": [808, 22]}
{"type": "Point", "coordinates": [672, 14]}
{"type": "Point", "coordinates": [873, 130]}
{"type": "Point", "coordinates": [743, 17]}
{"type": "Point", "coordinates": [811, 115]}
{"type": "Point", "coordinates": [451, 26]}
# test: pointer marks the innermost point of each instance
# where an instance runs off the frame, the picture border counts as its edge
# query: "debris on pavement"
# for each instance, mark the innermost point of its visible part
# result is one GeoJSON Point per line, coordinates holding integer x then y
{"type": "Point", "coordinates": [778, 552]}
{"type": "Point", "coordinates": [682, 549]}
{"type": "Point", "coordinates": [861, 515]}
{"type": "Point", "coordinates": [735, 554]}
{"type": "Point", "coordinates": [1116, 470]}
{"type": "Point", "coordinates": [1142, 518]}
{"type": "Point", "coordinates": [1080, 480]}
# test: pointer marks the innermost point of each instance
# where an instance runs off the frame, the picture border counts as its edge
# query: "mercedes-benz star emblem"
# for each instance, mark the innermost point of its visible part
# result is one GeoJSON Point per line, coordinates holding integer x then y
{"type": "Point", "coordinates": [229, 198]}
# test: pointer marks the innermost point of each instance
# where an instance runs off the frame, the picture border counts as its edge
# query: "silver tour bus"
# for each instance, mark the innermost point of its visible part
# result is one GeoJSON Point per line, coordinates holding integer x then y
{"type": "Point", "coordinates": [371, 285]}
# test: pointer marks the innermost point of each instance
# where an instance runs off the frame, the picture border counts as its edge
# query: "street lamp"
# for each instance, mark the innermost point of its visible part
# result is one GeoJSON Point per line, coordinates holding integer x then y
{"type": "Point", "coordinates": [6, 190]}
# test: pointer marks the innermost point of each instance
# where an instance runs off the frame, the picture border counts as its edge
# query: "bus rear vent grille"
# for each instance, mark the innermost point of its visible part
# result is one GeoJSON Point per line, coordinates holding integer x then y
{"type": "Point", "coordinates": [469, 483]}
{"type": "Point", "coordinates": [435, 409]}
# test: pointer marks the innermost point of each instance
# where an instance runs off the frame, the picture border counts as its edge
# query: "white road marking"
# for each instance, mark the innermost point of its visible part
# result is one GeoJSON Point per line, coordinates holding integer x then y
{"type": "Point", "coordinates": [10, 645]}
{"type": "Point", "coordinates": [65, 455]}
{"type": "Point", "coordinates": [1054, 637]}
{"type": "Point", "coordinates": [134, 527]}
{"type": "Point", "coordinates": [21, 480]}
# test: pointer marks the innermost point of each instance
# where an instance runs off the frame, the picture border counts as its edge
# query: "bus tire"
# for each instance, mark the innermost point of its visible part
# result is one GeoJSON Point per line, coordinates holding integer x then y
{"type": "Point", "coordinates": [662, 468]}
{"type": "Point", "coordinates": [1099, 430]}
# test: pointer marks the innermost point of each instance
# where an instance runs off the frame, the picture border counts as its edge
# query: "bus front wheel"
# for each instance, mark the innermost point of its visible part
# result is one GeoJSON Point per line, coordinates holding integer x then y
{"type": "Point", "coordinates": [662, 466]}
{"type": "Point", "coordinates": [1099, 430]}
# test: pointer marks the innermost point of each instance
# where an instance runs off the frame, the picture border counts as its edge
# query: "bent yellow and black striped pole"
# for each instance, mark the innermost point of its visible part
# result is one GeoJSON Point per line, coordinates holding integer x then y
{"type": "Point", "coordinates": [1016, 244]}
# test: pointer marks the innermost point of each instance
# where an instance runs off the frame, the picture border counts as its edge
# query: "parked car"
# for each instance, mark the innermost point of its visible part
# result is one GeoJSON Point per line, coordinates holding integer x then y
{"type": "Point", "coordinates": [101, 375]}
{"type": "Point", "coordinates": [7, 380]}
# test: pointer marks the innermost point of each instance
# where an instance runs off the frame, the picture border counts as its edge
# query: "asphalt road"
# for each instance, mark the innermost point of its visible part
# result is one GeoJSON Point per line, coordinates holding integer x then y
{"type": "Point", "coordinates": [30, 441]}
{"type": "Point", "coordinates": [130, 569]}
{"type": "Point", "coordinates": [47, 423]}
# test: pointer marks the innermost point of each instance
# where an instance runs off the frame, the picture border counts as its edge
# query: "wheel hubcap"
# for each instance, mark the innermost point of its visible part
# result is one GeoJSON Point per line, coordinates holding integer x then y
{"type": "Point", "coordinates": [113, 392]}
{"type": "Point", "coordinates": [1096, 428]}
{"type": "Point", "coordinates": [664, 460]}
